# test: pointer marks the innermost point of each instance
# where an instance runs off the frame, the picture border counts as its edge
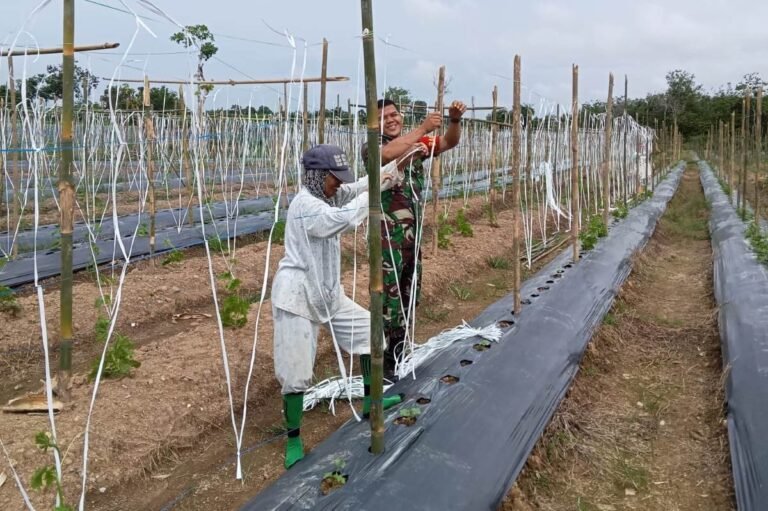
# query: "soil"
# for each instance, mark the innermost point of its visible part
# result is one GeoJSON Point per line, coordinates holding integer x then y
{"type": "Point", "coordinates": [330, 483]}
{"type": "Point", "coordinates": [163, 436]}
{"type": "Point", "coordinates": [643, 424]}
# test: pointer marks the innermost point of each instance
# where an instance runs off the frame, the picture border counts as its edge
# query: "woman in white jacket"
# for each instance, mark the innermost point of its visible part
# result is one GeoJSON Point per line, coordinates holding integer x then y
{"type": "Point", "coordinates": [307, 292]}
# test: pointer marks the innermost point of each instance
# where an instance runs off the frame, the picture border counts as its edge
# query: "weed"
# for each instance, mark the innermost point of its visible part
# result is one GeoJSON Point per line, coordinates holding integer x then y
{"type": "Point", "coordinates": [101, 328]}
{"type": "Point", "coordinates": [215, 244]}
{"type": "Point", "coordinates": [142, 230]}
{"type": "Point", "coordinates": [234, 307]}
{"type": "Point", "coordinates": [444, 231]}
{"type": "Point", "coordinates": [609, 319]}
{"type": "Point", "coordinates": [627, 475]}
{"type": "Point", "coordinates": [8, 301]}
{"type": "Point", "coordinates": [46, 476]}
{"type": "Point", "coordinates": [498, 262]}
{"type": "Point", "coordinates": [174, 256]}
{"type": "Point", "coordinates": [621, 211]}
{"type": "Point", "coordinates": [460, 291]}
{"type": "Point", "coordinates": [433, 314]}
{"type": "Point", "coordinates": [334, 479]}
{"type": "Point", "coordinates": [595, 229]}
{"type": "Point", "coordinates": [118, 361]}
{"type": "Point", "coordinates": [278, 232]}
{"type": "Point", "coordinates": [463, 225]}
{"type": "Point", "coordinates": [759, 242]}
{"type": "Point", "coordinates": [411, 412]}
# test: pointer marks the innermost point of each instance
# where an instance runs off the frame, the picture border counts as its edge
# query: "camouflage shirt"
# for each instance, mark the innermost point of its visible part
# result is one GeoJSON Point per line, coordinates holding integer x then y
{"type": "Point", "coordinates": [402, 205]}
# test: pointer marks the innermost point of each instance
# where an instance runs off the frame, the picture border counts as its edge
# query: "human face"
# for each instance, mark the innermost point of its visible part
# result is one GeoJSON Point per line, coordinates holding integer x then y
{"type": "Point", "coordinates": [331, 185]}
{"type": "Point", "coordinates": [392, 121]}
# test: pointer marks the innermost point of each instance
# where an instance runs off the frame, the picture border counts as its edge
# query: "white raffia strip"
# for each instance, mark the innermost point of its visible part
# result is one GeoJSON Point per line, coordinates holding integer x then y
{"type": "Point", "coordinates": [335, 388]}
{"type": "Point", "coordinates": [423, 352]}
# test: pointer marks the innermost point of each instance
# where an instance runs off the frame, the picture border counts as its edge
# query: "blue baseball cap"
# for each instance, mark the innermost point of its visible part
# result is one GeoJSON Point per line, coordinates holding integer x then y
{"type": "Point", "coordinates": [330, 158]}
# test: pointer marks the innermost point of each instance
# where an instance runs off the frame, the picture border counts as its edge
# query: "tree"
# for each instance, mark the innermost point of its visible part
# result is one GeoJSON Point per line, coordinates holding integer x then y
{"type": "Point", "coordinates": [160, 98]}
{"type": "Point", "coordinates": [122, 98]}
{"type": "Point", "coordinates": [201, 38]}
{"type": "Point", "coordinates": [399, 95]}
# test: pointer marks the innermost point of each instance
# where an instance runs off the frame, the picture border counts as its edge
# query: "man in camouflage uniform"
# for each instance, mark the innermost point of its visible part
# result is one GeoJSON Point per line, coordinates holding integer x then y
{"type": "Point", "coordinates": [403, 208]}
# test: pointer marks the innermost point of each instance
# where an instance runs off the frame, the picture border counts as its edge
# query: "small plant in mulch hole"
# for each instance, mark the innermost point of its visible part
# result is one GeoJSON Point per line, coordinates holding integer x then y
{"type": "Point", "coordinates": [334, 479]}
{"type": "Point", "coordinates": [408, 416]}
{"type": "Point", "coordinates": [449, 379]}
{"type": "Point", "coordinates": [483, 345]}
{"type": "Point", "coordinates": [465, 363]}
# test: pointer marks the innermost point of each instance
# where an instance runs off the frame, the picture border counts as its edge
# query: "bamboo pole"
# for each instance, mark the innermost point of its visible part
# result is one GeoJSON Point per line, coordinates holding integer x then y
{"type": "Point", "coordinates": [305, 122]}
{"type": "Point", "coordinates": [149, 129]}
{"type": "Point", "coordinates": [186, 164]}
{"type": "Point", "coordinates": [350, 126]}
{"type": "Point", "coordinates": [732, 166]}
{"type": "Point", "coordinates": [758, 151]}
{"type": "Point", "coordinates": [745, 146]}
{"type": "Point", "coordinates": [625, 170]}
{"type": "Point", "coordinates": [323, 82]}
{"type": "Point", "coordinates": [51, 51]}
{"type": "Point", "coordinates": [494, 162]}
{"type": "Point", "coordinates": [721, 170]}
{"type": "Point", "coordinates": [66, 200]}
{"type": "Point", "coordinates": [607, 152]}
{"type": "Point", "coordinates": [376, 284]}
{"type": "Point", "coordinates": [16, 175]}
{"type": "Point", "coordinates": [575, 211]}
{"type": "Point", "coordinates": [268, 81]}
{"type": "Point", "coordinates": [436, 175]}
{"type": "Point", "coordinates": [655, 150]}
{"type": "Point", "coordinates": [516, 138]}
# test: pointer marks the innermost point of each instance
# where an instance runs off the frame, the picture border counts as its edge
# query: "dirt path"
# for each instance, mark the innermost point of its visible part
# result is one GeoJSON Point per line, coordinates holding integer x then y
{"type": "Point", "coordinates": [643, 425]}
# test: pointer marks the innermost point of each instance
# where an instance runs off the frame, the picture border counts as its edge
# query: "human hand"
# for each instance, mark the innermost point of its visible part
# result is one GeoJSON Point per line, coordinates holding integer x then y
{"type": "Point", "coordinates": [456, 110]}
{"type": "Point", "coordinates": [432, 122]}
{"type": "Point", "coordinates": [390, 176]}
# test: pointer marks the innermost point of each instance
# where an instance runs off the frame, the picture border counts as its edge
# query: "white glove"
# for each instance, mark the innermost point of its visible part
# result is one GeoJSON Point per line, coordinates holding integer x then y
{"type": "Point", "coordinates": [390, 176]}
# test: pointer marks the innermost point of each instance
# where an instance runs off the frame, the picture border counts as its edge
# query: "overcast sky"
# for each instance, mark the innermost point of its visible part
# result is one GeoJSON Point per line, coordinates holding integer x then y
{"type": "Point", "coordinates": [476, 40]}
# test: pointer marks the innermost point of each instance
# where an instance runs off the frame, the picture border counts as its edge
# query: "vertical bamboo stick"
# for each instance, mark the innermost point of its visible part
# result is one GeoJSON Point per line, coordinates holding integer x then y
{"type": "Point", "coordinates": [149, 129]}
{"type": "Point", "coordinates": [304, 121]}
{"type": "Point", "coordinates": [625, 170]}
{"type": "Point", "coordinates": [745, 147]}
{"type": "Point", "coordinates": [516, 139]}
{"type": "Point", "coordinates": [758, 151]}
{"type": "Point", "coordinates": [376, 284]}
{"type": "Point", "coordinates": [732, 165]}
{"type": "Point", "coordinates": [185, 162]}
{"type": "Point", "coordinates": [323, 83]}
{"type": "Point", "coordinates": [16, 175]}
{"type": "Point", "coordinates": [575, 162]}
{"type": "Point", "coordinates": [350, 127]}
{"type": "Point", "coordinates": [436, 176]}
{"type": "Point", "coordinates": [66, 200]}
{"type": "Point", "coordinates": [607, 151]}
{"type": "Point", "coordinates": [492, 176]}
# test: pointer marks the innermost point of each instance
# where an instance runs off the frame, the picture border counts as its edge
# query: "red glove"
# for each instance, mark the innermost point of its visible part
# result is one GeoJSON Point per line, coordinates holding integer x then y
{"type": "Point", "coordinates": [432, 143]}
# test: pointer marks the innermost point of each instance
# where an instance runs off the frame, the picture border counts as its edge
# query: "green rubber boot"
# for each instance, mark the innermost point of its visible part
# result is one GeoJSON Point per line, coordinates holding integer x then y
{"type": "Point", "coordinates": [387, 402]}
{"type": "Point", "coordinates": [293, 407]}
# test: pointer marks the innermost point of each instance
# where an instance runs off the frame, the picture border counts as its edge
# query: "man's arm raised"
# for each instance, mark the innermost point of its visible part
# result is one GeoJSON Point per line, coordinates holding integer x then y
{"type": "Point", "coordinates": [453, 133]}
{"type": "Point", "coordinates": [404, 143]}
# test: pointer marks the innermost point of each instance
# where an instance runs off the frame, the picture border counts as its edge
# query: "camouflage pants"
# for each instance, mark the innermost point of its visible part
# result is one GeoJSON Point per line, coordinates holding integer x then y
{"type": "Point", "coordinates": [399, 266]}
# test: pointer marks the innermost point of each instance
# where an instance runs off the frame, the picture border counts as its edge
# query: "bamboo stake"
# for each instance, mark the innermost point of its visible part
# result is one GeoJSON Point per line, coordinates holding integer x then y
{"type": "Point", "coordinates": [376, 284]}
{"type": "Point", "coordinates": [350, 126]}
{"type": "Point", "coordinates": [758, 151]}
{"type": "Point", "coordinates": [186, 164]}
{"type": "Point", "coordinates": [494, 137]}
{"type": "Point", "coordinates": [268, 81]}
{"type": "Point", "coordinates": [516, 138]}
{"type": "Point", "coordinates": [732, 166]}
{"type": "Point", "coordinates": [51, 51]}
{"type": "Point", "coordinates": [305, 122]}
{"type": "Point", "coordinates": [575, 216]}
{"type": "Point", "coordinates": [323, 82]}
{"type": "Point", "coordinates": [66, 200]}
{"type": "Point", "coordinates": [607, 152]}
{"type": "Point", "coordinates": [625, 171]}
{"type": "Point", "coordinates": [149, 129]}
{"type": "Point", "coordinates": [436, 175]}
{"type": "Point", "coordinates": [721, 170]}
{"type": "Point", "coordinates": [745, 147]}
{"type": "Point", "coordinates": [16, 176]}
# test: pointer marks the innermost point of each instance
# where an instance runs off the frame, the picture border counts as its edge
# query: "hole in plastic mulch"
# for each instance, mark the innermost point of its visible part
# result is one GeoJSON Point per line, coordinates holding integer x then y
{"type": "Point", "coordinates": [534, 295]}
{"type": "Point", "coordinates": [465, 362]}
{"type": "Point", "coordinates": [505, 323]}
{"type": "Point", "coordinates": [525, 302]}
{"type": "Point", "coordinates": [423, 401]}
{"type": "Point", "coordinates": [481, 346]}
{"type": "Point", "coordinates": [543, 288]}
{"type": "Point", "coordinates": [405, 421]}
{"type": "Point", "coordinates": [556, 276]}
{"type": "Point", "coordinates": [560, 271]}
{"type": "Point", "coordinates": [569, 265]}
{"type": "Point", "coordinates": [449, 379]}
{"type": "Point", "coordinates": [550, 282]}
{"type": "Point", "coordinates": [333, 481]}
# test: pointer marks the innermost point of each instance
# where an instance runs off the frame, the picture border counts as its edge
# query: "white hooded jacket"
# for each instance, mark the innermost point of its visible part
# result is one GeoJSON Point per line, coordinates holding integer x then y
{"type": "Point", "coordinates": [308, 278]}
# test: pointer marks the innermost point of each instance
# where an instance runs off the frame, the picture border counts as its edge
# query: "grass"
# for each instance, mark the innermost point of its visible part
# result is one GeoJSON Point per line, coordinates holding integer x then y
{"type": "Point", "coordinates": [278, 233]}
{"type": "Point", "coordinates": [498, 262]}
{"type": "Point", "coordinates": [444, 231]}
{"type": "Point", "coordinates": [758, 241]}
{"type": "Point", "coordinates": [434, 314]}
{"type": "Point", "coordinates": [460, 291]}
{"type": "Point", "coordinates": [8, 302]}
{"type": "Point", "coordinates": [688, 217]}
{"type": "Point", "coordinates": [609, 319]}
{"type": "Point", "coordinates": [173, 257]}
{"type": "Point", "coordinates": [463, 225]}
{"type": "Point", "coordinates": [628, 475]}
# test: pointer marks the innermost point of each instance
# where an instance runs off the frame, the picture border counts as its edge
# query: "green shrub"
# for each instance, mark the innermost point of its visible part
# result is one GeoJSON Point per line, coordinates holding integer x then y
{"type": "Point", "coordinates": [463, 225]}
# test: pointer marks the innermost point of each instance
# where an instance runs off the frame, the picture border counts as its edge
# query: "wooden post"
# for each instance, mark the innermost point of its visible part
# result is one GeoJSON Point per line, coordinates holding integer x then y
{"type": "Point", "coordinates": [304, 121]}
{"type": "Point", "coordinates": [492, 174]}
{"type": "Point", "coordinates": [655, 150]}
{"type": "Point", "coordinates": [350, 126]}
{"type": "Point", "coordinates": [436, 176]}
{"type": "Point", "coordinates": [516, 139]}
{"type": "Point", "coordinates": [575, 216]}
{"type": "Point", "coordinates": [745, 147]}
{"type": "Point", "coordinates": [323, 82]}
{"type": "Point", "coordinates": [66, 200]}
{"type": "Point", "coordinates": [376, 284]}
{"type": "Point", "coordinates": [720, 141]}
{"type": "Point", "coordinates": [607, 152]}
{"type": "Point", "coordinates": [625, 170]}
{"type": "Point", "coordinates": [149, 130]}
{"type": "Point", "coordinates": [758, 151]}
